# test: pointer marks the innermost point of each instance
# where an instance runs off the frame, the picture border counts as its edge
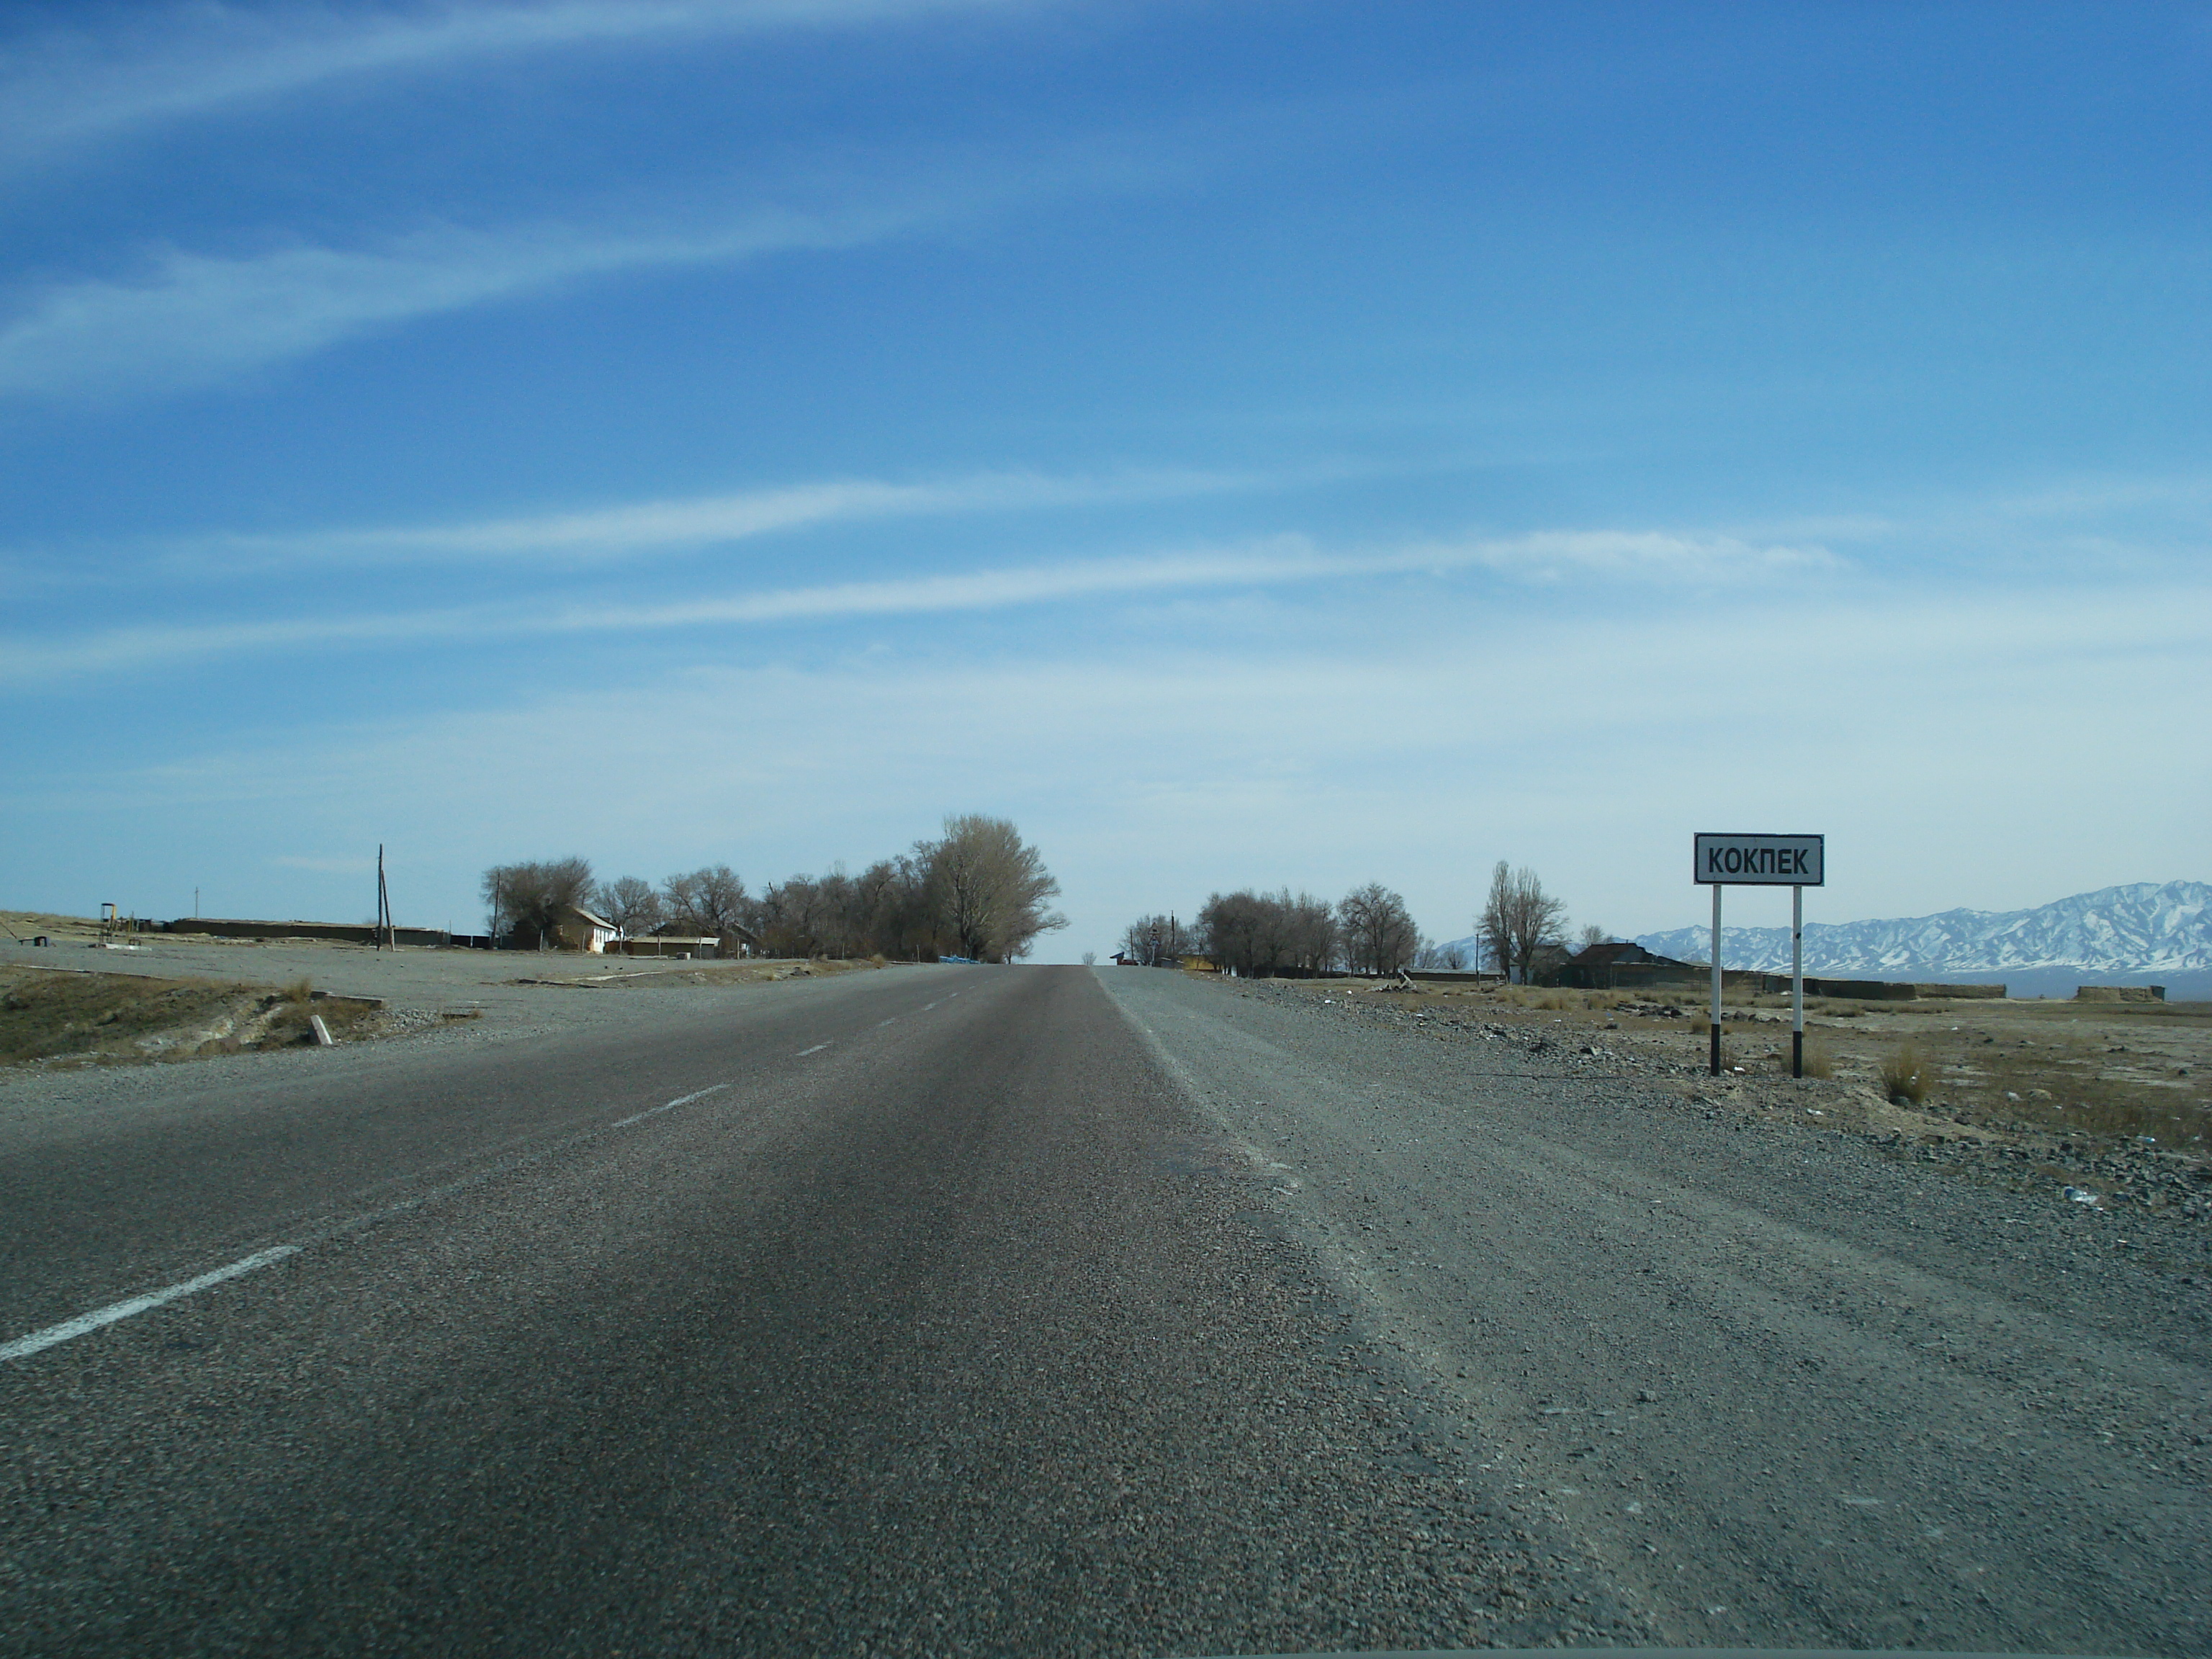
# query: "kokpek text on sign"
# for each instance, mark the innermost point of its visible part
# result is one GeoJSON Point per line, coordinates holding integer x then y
{"type": "Point", "coordinates": [1760, 860]}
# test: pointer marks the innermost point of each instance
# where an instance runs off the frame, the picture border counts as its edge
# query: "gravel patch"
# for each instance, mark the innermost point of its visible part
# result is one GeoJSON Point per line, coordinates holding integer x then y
{"type": "Point", "coordinates": [1768, 1380]}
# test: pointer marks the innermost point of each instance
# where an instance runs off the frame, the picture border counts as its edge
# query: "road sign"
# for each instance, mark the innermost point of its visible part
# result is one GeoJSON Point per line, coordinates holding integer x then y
{"type": "Point", "coordinates": [1793, 861]}
{"type": "Point", "coordinates": [1758, 861]}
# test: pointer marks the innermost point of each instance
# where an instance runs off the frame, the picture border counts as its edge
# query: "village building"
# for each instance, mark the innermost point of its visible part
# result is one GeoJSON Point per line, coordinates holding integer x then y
{"type": "Point", "coordinates": [1621, 965]}
{"type": "Point", "coordinates": [578, 929]}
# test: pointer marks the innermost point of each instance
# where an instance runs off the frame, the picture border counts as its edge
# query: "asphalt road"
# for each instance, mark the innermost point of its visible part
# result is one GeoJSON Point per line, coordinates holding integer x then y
{"type": "Point", "coordinates": [1029, 1310]}
{"type": "Point", "coordinates": [929, 1321]}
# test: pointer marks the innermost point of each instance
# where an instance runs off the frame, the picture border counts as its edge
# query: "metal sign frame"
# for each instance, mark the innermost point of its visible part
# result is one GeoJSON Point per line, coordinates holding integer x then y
{"type": "Point", "coordinates": [1719, 861]}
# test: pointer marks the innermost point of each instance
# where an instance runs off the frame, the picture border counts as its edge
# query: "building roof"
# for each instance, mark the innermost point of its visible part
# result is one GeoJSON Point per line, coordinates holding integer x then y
{"type": "Point", "coordinates": [1615, 953]}
{"type": "Point", "coordinates": [577, 912]}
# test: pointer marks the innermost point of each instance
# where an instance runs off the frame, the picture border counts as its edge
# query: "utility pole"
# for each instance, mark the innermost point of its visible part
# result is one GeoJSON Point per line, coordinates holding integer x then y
{"type": "Point", "coordinates": [385, 940]}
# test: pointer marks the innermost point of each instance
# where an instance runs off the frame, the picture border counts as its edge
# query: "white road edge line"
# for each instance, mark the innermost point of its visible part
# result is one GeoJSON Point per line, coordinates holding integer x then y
{"type": "Point", "coordinates": [816, 1050]}
{"type": "Point", "coordinates": [655, 1111]}
{"type": "Point", "coordinates": [23, 1346]}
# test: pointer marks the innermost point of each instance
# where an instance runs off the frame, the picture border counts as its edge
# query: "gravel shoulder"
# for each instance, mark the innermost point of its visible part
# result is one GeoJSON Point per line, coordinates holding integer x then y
{"type": "Point", "coordinates": [1762, 1379]}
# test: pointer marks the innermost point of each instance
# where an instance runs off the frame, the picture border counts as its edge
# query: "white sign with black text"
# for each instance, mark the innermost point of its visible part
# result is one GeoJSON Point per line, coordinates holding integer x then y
{"type": "Point", "coordinates": [1758, 861]}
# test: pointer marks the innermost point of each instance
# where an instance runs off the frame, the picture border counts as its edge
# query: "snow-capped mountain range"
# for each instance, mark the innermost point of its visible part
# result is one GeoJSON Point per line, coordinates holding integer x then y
{"type": "Point", "coordinates": [2142, 929]}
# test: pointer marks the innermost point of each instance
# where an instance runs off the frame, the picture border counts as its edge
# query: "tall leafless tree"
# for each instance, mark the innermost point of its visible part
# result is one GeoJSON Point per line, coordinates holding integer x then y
{"type": "Point", "coordinates": [528, 901]}
{"type": "Point", "coordinates": [709, 902]}
{"type": "Point", "coordinates": [630, 903]}
{"type": "Point", "coordinates": [1534, 923]}
{"type": "Point", "coordinates": [991, 890]}
{"type": "Point", "coordinates": [1493, 926]}
{"type": "Point", "coordinates": [1378, 932]}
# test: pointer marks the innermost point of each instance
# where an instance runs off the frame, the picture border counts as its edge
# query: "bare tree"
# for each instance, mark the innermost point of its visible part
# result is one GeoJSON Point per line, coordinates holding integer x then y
{"type": "Point", "coordinates": [527, 901]}
{"type": "Point", "coordinates": [1592, 934]}
{"type": "Point", "coordinates": [1450, 954]}
{"type": "Point", "coordinates": [900, 920]}
{"type": "Point", "coordinates": [709, 902]}
{"type": "Point", "coordinates": [1378, 931]}
{"type": "Point", "coordinates": [1237, 933]}
{"type": "Point", "coordinates": [1494, 926]}
{"type": "Point", "coordinates": [1153, 940]}
{"type": "Point", "coordinates": [1311, 925]}
{"type": "Point", "coordinates": [991, 889]}
{"type": "Point", "coordinates": [630, 903]}
{"type": "Point", "coordinates": [1534, 919]}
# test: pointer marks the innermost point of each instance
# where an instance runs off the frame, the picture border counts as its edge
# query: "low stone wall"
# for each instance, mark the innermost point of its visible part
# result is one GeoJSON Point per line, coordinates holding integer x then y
{"type": "Point", "coordinates": [1882, 990]}
{"type": "Point", "coordinates": [2119, 994]}
{"type": "Point", "coordinates": [695, 948]}
{"type": "Point", "coordinates": [335, 932]}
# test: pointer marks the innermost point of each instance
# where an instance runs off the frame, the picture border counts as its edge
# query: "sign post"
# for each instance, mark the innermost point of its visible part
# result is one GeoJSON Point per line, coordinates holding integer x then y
{"type": "Point", "coordinates": [1716, 1021]}
{"type": "Point", "coordinates": [1796, 981]}
{"type": "Point", "coordinates": [1793, 861]}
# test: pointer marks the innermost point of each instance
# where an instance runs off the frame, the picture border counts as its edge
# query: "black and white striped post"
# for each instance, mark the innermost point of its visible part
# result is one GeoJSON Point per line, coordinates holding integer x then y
{"type": "Point", "coordinates": [1793, 861]}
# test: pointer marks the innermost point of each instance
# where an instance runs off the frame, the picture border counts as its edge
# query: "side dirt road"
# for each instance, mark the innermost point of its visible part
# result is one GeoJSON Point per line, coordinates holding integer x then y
{"type": "Point", "coordinates": [73, 1005]}
{"type": "Point", "coordinates": [1759, 1378]}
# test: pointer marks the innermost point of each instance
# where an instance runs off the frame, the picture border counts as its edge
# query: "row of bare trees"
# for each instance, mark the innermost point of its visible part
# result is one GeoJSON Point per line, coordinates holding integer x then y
{"type": "Point", "coordinates": [978, 891]}
{"type": "Point", "coordinates": [1369, 930]}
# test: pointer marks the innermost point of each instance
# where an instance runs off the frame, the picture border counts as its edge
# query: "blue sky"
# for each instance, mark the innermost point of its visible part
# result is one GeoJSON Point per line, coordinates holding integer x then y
{"type": "Point", "coordinates": [1241, 443]}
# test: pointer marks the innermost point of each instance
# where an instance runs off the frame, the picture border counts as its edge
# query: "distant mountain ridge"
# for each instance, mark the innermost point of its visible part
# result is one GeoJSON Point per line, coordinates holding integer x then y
{"type": "Point", "coordinates": [2133, 931]}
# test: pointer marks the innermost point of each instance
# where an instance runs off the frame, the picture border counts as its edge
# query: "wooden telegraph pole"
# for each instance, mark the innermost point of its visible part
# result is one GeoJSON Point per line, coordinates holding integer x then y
{"type": "Point", "coordinates": [385, 940]}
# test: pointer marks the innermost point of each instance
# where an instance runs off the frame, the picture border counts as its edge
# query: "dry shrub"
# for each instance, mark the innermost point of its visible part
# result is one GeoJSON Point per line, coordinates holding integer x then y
{"type": "Point", "coordinates": [1906, 1072]}
{"type": "Point", "coordinates": [44, 1014]}
{"type": "Point", "coordinates": [1818, 1062]}
{"type": "Point", "coordinates": [2062, 1090]}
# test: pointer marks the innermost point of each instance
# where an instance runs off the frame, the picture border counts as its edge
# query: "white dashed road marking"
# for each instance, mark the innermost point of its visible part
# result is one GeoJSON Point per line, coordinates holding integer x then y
{"type": "Point", "coordinates": [23, 1346]}
{"type": "Point", "coordinates": [816, 1050]}
{"type": "Point", "coordinates": [655, 1111]}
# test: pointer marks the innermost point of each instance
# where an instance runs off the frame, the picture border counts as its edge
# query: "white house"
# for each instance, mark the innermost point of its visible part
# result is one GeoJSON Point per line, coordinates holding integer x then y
{"type": "Point", "coordinates": [579, 929]}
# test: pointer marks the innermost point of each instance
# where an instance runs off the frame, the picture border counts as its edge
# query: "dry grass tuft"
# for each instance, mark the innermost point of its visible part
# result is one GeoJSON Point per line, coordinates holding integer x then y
{"type": "Point", "coordinates": [1905, 1072]}
{"type": "Point", "coordinates": [1818, 1062]}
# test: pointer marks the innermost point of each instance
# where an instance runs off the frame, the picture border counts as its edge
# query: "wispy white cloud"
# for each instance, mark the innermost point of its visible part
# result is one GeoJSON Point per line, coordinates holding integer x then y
{"type": "Point", "coordinates": [775, 767]}
{"type": "Point", "coordinates": [2187, 492]}
{"type": "Point", "coordinates": [68, 87]}
{"type": "Point", "coordinates": [189, 318]}
{"type": "Point", "coordinates": [1281, 562]}
{"type": "Point", "coordinates": [636, 529]}
{"type": "Point", "coordinates": [1556, 555]}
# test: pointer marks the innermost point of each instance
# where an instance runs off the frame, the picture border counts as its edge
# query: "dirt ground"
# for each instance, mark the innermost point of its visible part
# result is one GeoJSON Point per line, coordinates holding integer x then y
{"type": "Point", "coordinates": [59, 1016]}
{"type": "Point", "coordinates": [2104, 1104]}
{"type": "Point", "coordinates": [90, 998]}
